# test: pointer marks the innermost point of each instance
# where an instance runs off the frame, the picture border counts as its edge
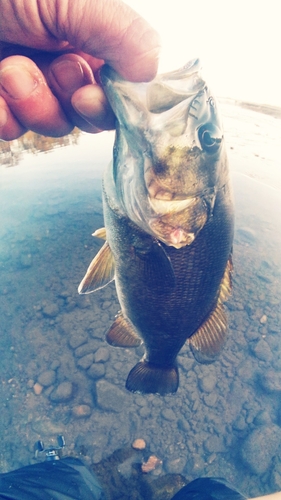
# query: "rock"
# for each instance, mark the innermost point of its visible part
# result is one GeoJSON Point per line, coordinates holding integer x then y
{"type": "Point", "coordinates": [270, 381]}
{"type": "Point", "coordinates": [86, 361]}
{"type": "Point", "coordinates": [214, 444]}
{"type": "Point", "coordinates": [152, 463]}
{"type": "Point", "coordinates": [110, 397]}
{"type": "Point", "coordinates": [101, 355]}
{"type": "Point", "coordinates": [45, 427]}
{"type": "Point", "coordinates": [263, 418]}
{"type": "Point", "coordinates": [262, 351]}
{"type": "Point", "coordinates": [168, 414]}
{"type": "Point", "coordinates": [47, 378]}
{"type": "Point", "coordinates": [81, 411]}
{"type": "Point", "coordinates": [96, 370]}
{"type": "Point", "coordinates": [175, 465]}
{"type": "Point", "coordinates": [62, 393]}
{"type": "Point", "coordinates": [240, 423]}
{"type": "Point", "coordinates": [260, 447]}
{"type": "Point", "coordinates": [208, 382]}
{"type": "Point", "coordinates": [86, 348]}
{"type": "Point", "coordinates": [210, 399]}
{"type": "Point", "coordinates": [37, 388]}
{"type": "Point", "coordinates": [78, 339]}
{"type": "Point", "coordinates": [50, 309]}
{"type": "Point", "coordinates": [139, 444]}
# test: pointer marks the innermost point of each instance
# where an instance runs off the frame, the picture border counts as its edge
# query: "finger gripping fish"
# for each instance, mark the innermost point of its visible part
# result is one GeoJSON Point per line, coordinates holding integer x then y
{"type": "Point", "coordinates": [168, 216]}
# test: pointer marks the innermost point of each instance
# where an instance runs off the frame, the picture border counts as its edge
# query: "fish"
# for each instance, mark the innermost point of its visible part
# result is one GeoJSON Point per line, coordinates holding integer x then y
{"type": "Point", "coordinates": [169, 223]}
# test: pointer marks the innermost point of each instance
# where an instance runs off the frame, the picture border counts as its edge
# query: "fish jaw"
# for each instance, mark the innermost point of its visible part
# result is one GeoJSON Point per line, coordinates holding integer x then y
{"type": "Point", "coordinates": [179, 227]}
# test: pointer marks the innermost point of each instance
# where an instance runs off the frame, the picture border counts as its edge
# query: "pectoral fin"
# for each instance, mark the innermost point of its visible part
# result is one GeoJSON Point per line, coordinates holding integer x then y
{"type": "Point", "coordinates": [122, 333]}
{"type": "Point", "coordinates": [157, 265]}
{"type": "Point", "coordinates": [100, 233]}
{"type": "Point", "coordinates": [100, 272]}
{"type": "Point", "coordinates": [207, 342]}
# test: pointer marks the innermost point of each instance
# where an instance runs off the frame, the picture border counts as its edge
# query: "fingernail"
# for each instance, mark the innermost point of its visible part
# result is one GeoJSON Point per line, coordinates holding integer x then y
{"type": "Point", "coordinates": [3, 117]}
{"type": "Point", "coordinates": [17, 82]}
{"type": "Point", "coordinates": [69, 75]}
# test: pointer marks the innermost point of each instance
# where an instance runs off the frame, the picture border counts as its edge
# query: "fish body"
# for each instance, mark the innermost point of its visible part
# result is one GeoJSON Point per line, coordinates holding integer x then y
{"type": "Point", "coordinates": [168, 216]}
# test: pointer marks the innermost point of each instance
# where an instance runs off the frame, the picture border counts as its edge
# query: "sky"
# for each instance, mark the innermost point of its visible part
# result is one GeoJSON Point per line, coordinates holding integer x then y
{"type": "Point", "coordinates": [238, 41]}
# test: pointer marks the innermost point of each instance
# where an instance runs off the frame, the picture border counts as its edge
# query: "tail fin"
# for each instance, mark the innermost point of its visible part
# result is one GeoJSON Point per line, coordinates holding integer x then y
{"type": "Point", "coordinates": [209, 488]}
{"type": "Point", "coordinates": [148, 378]}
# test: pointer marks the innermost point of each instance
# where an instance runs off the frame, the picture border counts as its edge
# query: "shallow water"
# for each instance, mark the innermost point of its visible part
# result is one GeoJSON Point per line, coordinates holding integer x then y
{"type": "Point", "coordinates": [60, 377]}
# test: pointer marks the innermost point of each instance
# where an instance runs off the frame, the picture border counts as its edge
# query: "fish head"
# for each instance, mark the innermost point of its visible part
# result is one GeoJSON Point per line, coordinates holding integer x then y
{"type": "Point", "coordinates": [170, 158]}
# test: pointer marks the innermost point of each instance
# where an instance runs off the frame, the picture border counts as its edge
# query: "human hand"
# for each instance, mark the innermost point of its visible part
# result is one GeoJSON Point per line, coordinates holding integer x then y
{"type": "Point", "coordinates": [50, 54]}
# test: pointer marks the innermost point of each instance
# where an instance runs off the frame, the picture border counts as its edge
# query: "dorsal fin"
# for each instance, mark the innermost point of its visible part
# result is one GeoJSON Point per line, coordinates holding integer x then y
{"type": "Point", "coordinates": [100, 272]}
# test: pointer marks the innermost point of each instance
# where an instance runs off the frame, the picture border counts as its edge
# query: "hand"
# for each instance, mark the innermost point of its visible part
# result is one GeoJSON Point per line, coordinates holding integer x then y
{"type": "Point", "coordinates": [50, 53]}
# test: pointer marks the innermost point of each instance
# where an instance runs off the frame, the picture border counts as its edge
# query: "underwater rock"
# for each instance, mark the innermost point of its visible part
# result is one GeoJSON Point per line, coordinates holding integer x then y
{"type": "Point", "coordinates": [86, 348]}
{"type": "Point", "coordinates": [262, 351]}
{"type": "Point", "coordinates": [270, 381]}
{"type": "Point", "coordinates": [110, 397]}
{"type": "Point", "coordinates": [102, 355]}
{"type": "Point", "coordinates": [81, 411]}
{"type": "Point", "coordinates": [50, 309]}
{"type": "Point", "coordinates": [62, 393]}
{"type": "Point", "coordinates": [175, 465]}
{"type": "Point", "coordinates": [168, 414]}
{"type": "Point", "coordinates": [47, 378]}
{"type": "Point", "coordinates": [139, 444]}
{"type": "Point", "coordinates": [96, 370]}
{"type": "Point", "coordinates": [214, 444]}
{"type": "Point", "coordinates": [208, 382]}
{"type": "Point", "coordinates": [86, 361]}
{"type": "Point", "coordinates": [260, 447]}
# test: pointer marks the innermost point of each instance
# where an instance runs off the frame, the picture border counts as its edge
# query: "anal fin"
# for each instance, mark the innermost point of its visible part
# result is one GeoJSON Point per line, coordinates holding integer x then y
{"type": "Point", "coordinates": [207, 342]}
{"type": "Point", "coordinates": [122, 333]}
{"type": "Point", "coordinates": [147, 378]}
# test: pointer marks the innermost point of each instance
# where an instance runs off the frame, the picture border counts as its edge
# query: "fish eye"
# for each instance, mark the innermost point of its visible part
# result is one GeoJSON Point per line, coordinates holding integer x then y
{"type": "Point", "coordinates": [210, 137]}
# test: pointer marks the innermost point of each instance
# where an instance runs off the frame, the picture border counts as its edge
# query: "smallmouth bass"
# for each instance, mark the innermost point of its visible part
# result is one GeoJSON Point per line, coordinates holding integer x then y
{"type": "Point", "coordinates": [169, 221]}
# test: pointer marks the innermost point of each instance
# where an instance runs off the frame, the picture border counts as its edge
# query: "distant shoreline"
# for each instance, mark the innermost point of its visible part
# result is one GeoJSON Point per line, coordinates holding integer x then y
{"type": "Point", "coordinates": [267, 109]}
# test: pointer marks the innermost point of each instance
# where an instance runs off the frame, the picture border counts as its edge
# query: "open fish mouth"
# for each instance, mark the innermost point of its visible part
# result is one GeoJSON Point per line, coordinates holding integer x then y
{"type": "Point", "coordinates": [169, 206]}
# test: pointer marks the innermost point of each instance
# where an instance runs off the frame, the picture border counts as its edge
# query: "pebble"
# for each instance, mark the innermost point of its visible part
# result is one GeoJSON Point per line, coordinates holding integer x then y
{"type": "Point", "coordinates": [208, 382]}
{"type": "Point", "coordinates": [96, 371]}
{"type": "Point", "coordinates": [50, 309]}
{"type": "Point", "coordinates": [263, 319]}
{"type": "Point", "coordinates": [175, 465]}
{"type": "Point", "coordinates": [152, 463]}
{"type": "Point", "coordinates": [168, 414]}
{"type": "Point", "coordinates": [62, 393]}
{"type": "Point", "coordinates": [47, 378]}
{"type": "Point", "coordinates": [214, 444]}
{"type": "Point", "coordinates": [81, 411]}
{"type": "Point", "coordinates": [262, 351]}
{"type": "Point", "coordinates": [139, 444]}
{"type": "Point", "coordinates": [270, 381]}
{"type": "Point", "coordinates": [78, 339]}
{"type": "Point", "coordinates": [37, 388]}
{"type": "Point", "coordinates": [260, 447]}
{"type": "Point", "coordinates": [110, 397]}
{"type": "Point", "coordinates": [86, 361]}
{"type": "Point", "coordinates": [86, 348]}
{"type": "Point", "coordinates": [101, 355]}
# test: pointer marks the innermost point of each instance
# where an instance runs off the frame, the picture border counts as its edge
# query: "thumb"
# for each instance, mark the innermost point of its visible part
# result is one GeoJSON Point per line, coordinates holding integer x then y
{"type": "Point", "coordinates": [109, 30]}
